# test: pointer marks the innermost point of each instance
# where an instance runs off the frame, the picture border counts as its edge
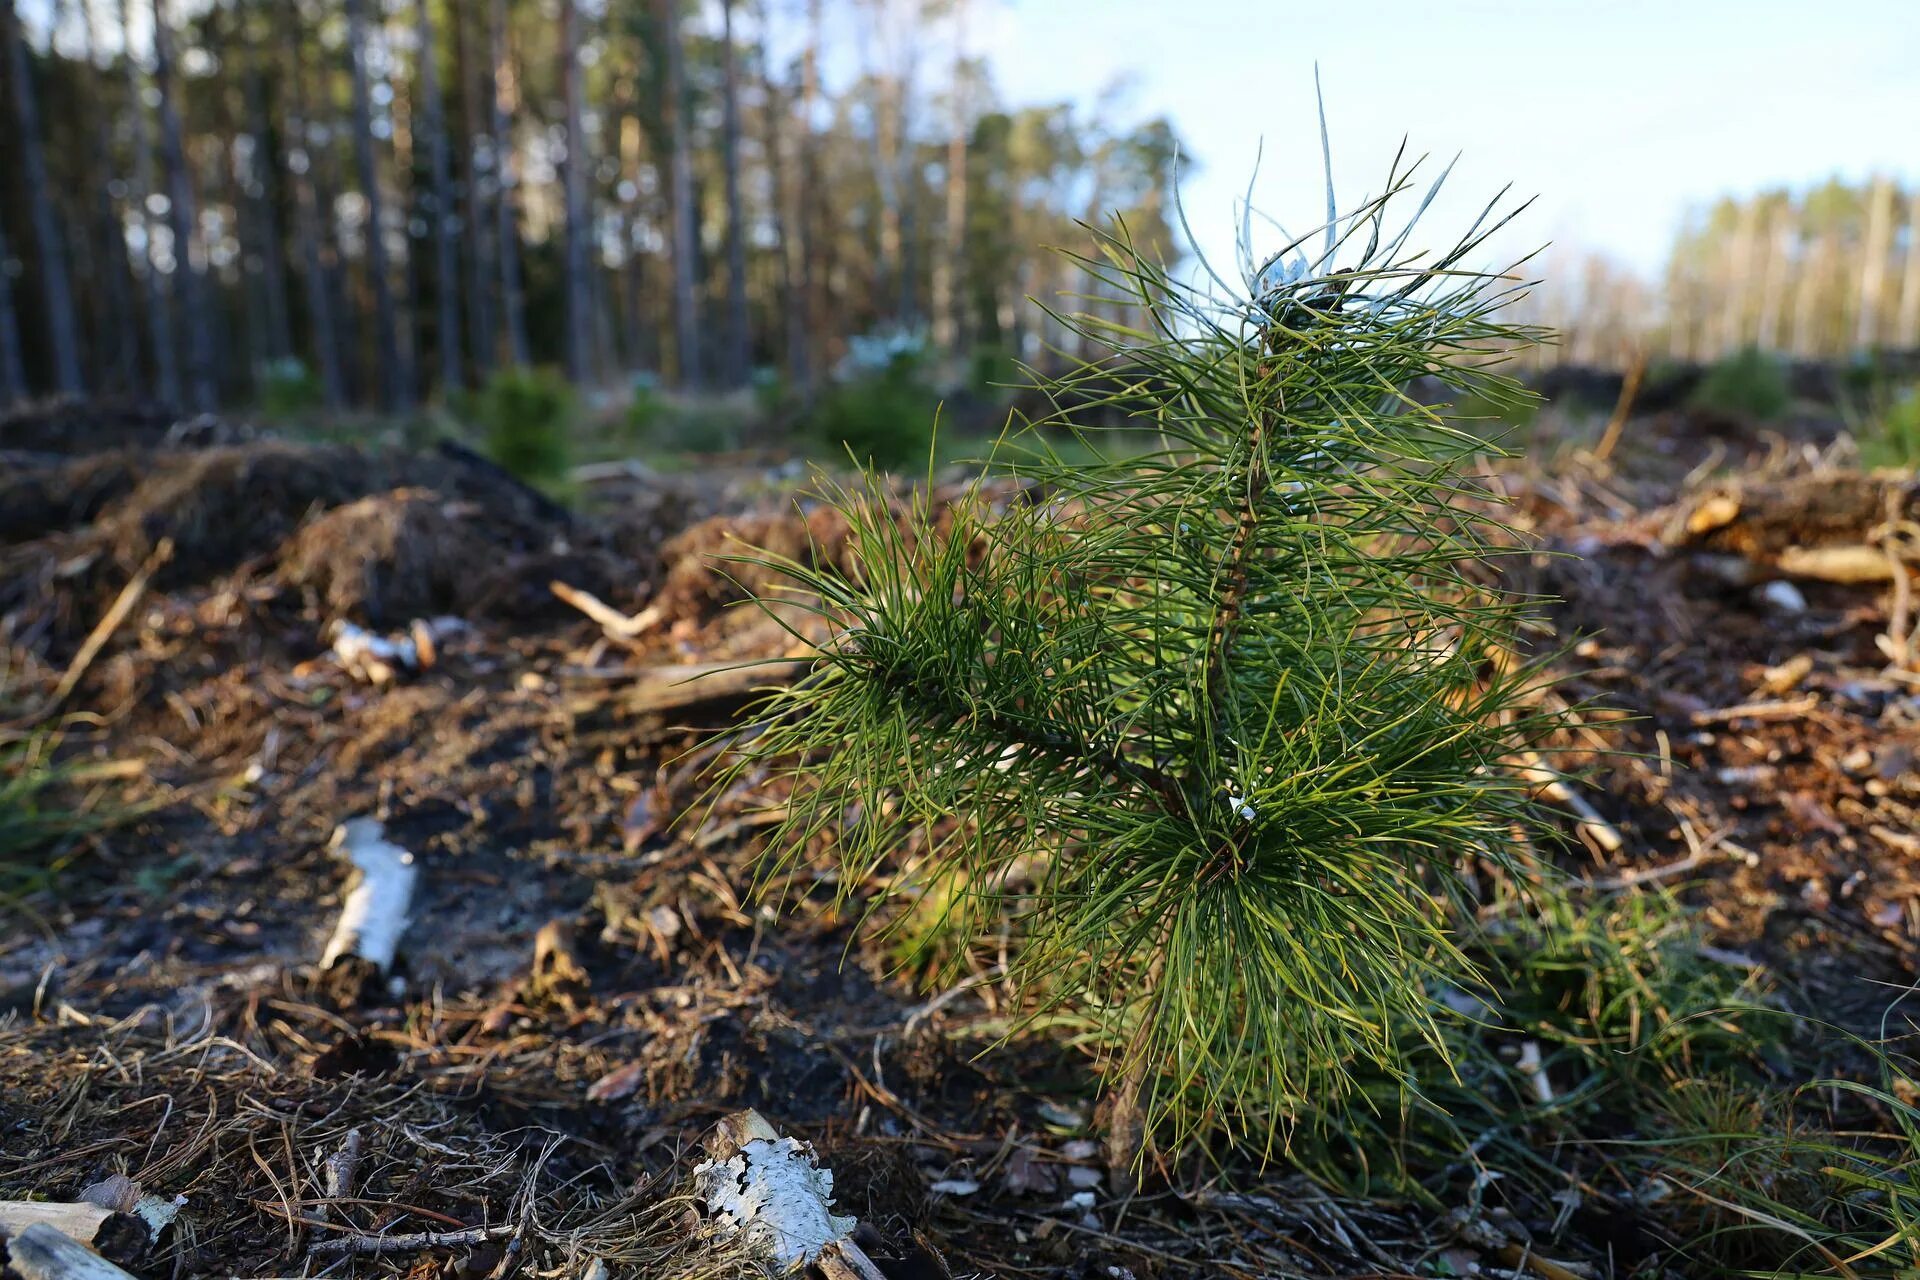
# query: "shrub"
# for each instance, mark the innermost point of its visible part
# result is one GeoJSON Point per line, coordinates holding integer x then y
{"type": "Point", "coordinates": [1891, 437]}
{"type": "Point", "coordinates": [881, 407]}
{"type": "Point", "coordinates": [685, 424]}
{"type": "Point", "coordinates": [1213, 730]}
{"type": "Point", "coordinates": [288, 388]}
{"type": "Point", "coordinates": [1749, 384]}
{"type": "Point", "coordinates": [526, 416]}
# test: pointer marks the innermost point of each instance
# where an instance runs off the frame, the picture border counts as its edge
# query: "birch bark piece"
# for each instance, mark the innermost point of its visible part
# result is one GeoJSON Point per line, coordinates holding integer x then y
{"type": "Point", "coordinates": [375, 912]}
{"type": "Point", "coordinates": [772, 1189]}
{"type": "Point", "coordinates": [41, 1252]}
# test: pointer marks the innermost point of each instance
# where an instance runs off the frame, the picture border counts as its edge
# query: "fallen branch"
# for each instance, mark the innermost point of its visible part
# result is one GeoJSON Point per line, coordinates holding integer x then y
{"type": "Point", "coordinates": [704, 684]}
{"type": "Point", "coordinates": [358, 1244]}
{"type": "Point", "coordinates": [375, 912]}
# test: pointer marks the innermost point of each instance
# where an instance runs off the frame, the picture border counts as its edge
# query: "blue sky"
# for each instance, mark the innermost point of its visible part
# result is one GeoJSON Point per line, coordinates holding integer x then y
{"type": "Point", "coordinates": [1618, 115]}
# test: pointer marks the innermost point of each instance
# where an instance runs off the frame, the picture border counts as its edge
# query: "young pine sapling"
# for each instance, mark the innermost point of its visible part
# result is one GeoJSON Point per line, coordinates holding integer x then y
{"type": "Point", "coordinates": [1217, 730]}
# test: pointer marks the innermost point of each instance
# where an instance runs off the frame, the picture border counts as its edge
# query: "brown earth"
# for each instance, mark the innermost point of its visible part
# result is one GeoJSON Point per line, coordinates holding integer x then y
{"type": "Point", "coordinates": [584, 987]}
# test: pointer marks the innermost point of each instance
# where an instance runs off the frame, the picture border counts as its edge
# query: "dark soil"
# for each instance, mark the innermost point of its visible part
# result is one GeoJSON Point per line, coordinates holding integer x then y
{"type": "Point", "coordinates": [167, 1023]}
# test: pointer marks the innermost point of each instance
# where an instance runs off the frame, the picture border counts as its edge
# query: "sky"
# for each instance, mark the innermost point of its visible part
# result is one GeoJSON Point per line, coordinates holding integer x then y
{"type": "Point", "coordinates": [1617, 116]}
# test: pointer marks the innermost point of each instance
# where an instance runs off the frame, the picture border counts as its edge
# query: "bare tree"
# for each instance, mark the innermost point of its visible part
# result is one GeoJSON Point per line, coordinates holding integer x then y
{"type": "Point", "coordinates": [440, 209]}
{"type": "Point", "coordinates": [576, 285]}
{"type": "Point", "coordinates": [202, 389]}
{"type": "Point", "coordinates": [56, 289]}
{"type": "Point", "coordinates": [396, 381]}
{"type": "Point", "coordinates": [686, 323]}
{"type": "Point", "coordinates": [512, 300]}
{"type": "Point", "coordinates": [734, 365]}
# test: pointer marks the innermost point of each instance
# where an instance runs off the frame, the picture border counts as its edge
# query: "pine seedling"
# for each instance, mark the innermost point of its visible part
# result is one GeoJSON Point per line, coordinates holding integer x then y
{"type": "Point", "coordinates": [1220, 733]}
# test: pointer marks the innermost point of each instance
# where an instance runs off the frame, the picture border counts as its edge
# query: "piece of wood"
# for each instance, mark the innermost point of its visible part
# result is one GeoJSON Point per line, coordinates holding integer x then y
{"type": "Point", "coordinates": [77, 1222]}
{"type": "Point", "coordinates": [375, 912]}
{"type": "Point", "coordinates": [705, 685]}
{"type": "Point", "coordinates": [1851, 564]}
{"type": "Point", "coordinates": [43, 1252]}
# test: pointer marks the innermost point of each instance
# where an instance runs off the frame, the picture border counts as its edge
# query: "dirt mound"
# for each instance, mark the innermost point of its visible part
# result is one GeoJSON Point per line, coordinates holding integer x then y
{"type": "Point", "coordinates": [705, 570]}
{"type": "Point", "coordinates": [72, 426]}
{"type": "Point", "coordinates": [384, 559]}
{"type": "Point", "coordinates": [371, 534]}
{"type": "Point", "coordinates": [37, 500]}
{"type": "Point", "coordinates": [225, 505]}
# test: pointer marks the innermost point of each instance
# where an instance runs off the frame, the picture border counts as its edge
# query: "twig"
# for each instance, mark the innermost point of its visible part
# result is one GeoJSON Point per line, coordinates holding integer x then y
{"type": "Point", "coordinates": [1629, 388]}
{"type": "Point", "coordinates": [110, 622]}
{"type": "Point", "coordinates": [616, 624]}
{"type": "Point", "coordinates": [358, 1245]}
{"type": "Point", "coordinates": [342, 1165]}
{"type": "Point", "coordinates": [1767, 709]}
{"type": "Point", "coordinates": [1602, 835]}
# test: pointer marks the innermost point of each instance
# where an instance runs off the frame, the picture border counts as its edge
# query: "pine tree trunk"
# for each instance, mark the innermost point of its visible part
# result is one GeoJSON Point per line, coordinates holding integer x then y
{"type": "Point", "coordinates": [396, 390]}
{"type": "Point", "coordinates": [1906, 325]}
{"type": "Point", "coordinates": [13, 370]}
{"type": "Point", "coordinates": [512, 300]}
{"type": "Point", "coordinates": [948, 267]}
{"type": "Point", "coordinates": [481, 168]}
{"type": "Point", "coordinates": [264, 190]}
{"type": "Point", "coordinates": [786, 216]}
{"type": "Point", "coordinates": [440, 209]}
{"type": "Point", "coordinates": [734, 371]}
{"type": "Point", "coordinates": [56, 288]}
{"type": "Point", "coordinates": [313, 254]}
{"type": "Point", "coordinates": [202, 385]}
{"type": "Point", "coordinates": [811, 314]}
{"type": "Point", "coordinates": [166, 357]}
{"type": "Point", "coordinates": [686, 323]}
{"type": "Point", "coordinates": [579, 298]}
{"type": "Point", "coordinates": [636, 349]}
{"type": "Point", "coordinates": [1877, 251]}
{"type": "Point", "coordinates": [114, 278]}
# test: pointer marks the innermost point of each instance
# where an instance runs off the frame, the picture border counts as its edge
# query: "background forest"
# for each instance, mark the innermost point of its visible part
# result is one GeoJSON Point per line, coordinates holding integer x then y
{"type": "Point", "coordinates": [363, 203]}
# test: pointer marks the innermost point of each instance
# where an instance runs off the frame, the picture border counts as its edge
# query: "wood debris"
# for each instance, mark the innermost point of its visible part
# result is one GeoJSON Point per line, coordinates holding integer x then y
{"type": "Point", "coordinates": [375, 912]}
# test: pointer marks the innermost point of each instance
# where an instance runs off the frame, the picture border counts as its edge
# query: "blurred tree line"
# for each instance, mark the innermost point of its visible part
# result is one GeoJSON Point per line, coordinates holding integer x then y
{"type": "Point", "coordinates": [1828, 273]}
{"type": "Point", "coordinates": [385, 200]}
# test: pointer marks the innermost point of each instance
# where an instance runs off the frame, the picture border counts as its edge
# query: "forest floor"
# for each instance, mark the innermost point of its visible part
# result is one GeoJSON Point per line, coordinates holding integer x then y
{"type": "Point", "coordinates": [585, 985]}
